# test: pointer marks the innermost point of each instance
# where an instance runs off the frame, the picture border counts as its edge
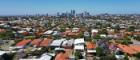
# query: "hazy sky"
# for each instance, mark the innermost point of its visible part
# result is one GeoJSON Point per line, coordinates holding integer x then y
{"type": "Point", "coordinates": [19, 7]}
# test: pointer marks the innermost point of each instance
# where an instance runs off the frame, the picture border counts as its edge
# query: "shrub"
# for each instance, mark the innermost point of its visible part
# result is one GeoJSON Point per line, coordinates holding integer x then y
{"type": "Point", "coordinates": [99, 51]}
{"type": "Point", "coordinates": [77, 55]}
{"type": "Point", "coordinates": [138, 55]}
{"type": "Point", "coordinates": [126, 57]}
{"type": "Point", "coordinates": [108, 58]}
{"type": "Point", "coordinates": [97, 37]}
{"type": "Point", "coordinates": [30, 37]}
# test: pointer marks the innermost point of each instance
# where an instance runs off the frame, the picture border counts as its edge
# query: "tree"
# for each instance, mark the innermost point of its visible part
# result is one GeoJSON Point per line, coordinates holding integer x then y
{"type": "Point", "coordinates": [103, 31]}
{"type": "Point", "coordinates": [6, 35]}
{"type": "Point", "coordinates": [89, 39]}
{"type": "Point", "coordinates": [127, 38]}
{"type": "Point", "coordinates": [77, 55]}
{"type": "Point", "coordinates": [126, 57]}
{"type": "Point", "coordinates": [126, 41]}
{"type": "Point", "coordinates": [98, 23]}
{"type": "Point", "coordinates": [56, 37]}
{"type": "Point", "coordinates": [62, 30]}
{"type": "Point", "coordinates": [104, 58]}
{"type": "Point", "coordinates": [97, 37]}
{"type": "Point", "coordinates": [99, 51]}
{"type": "Point", "coordinates": [138, 55]}
{"type": "Point", "coordinates": [108, 58]}
{"type": "Point", "coordinates": [81, 35]}
{"type": "Point", "coordinates": [112, 57]}
{"type": "Point", "coordinates": [137, 38]}
{"type": "Point", "coordinates": [30, 37]}
{"type": "Point", "coordinates": [131, 28]}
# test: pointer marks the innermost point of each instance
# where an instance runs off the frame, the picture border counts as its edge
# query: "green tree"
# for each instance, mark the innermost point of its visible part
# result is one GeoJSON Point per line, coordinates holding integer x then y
{"type": "Point", "coordinates": [126, 41]}
{"type": "Point", "coordinates": [137, 38]}
{"type": "Point", "coordinates": [81, 34]}
{"type": "Point", "coordinates": [6, 35]}
{"type": "Point", "coordinates": [127, 38]}
{"type": "Point", "coordinates": [56, 37]}
{"type": "Point", "coordinates": [62, 30]}
{"type": "Point", "coordinates": [131, 28]}
{"type": "Point", "coordinates": [77, 55]}
{"type": "Point", "coordinates": [108, 58]}
{"type": "Point", "coordinates": [138, 55]}
{"type": "Point", "coordinates": [30, 37]}
{"type": "Point", "coordinates": [72, 26]}
{"type": "Point", "coordinates": [97, 37]}
{"type": "Point", "coordinates": [99, 51]}
{"type": "Point", "coordinates": [103, 31]}
{"type": "Point", "coordinates": [126, 57]}
{"type": "Point", "coordinates": [104, 58]}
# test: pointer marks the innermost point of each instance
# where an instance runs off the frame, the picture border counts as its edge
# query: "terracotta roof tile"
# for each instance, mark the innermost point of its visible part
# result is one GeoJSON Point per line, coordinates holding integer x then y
{"type": "Point", "coordinates": [36, 42]}
{"type": "Point", "coordinates": [46, 42]}
{"type": "Point", "coordinates": [23, 42]}
{"type": "Point", "coordinates": [126, 49]}
{"type": "Point", "coordinates": [135, 47]}
{"type": "Point", "coordinates": [61, 56]}
{"type": "Point", "coordinates": [90, 45]}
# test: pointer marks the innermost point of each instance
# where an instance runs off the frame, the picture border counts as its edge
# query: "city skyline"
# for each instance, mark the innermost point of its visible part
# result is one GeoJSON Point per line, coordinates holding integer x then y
{"type": "Point", "coordinates": [16, 7]}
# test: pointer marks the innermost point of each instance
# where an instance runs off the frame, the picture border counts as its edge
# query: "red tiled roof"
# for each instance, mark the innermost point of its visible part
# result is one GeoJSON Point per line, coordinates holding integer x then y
{"type": "Point", "coordinates": [126, 49]}
{"type": "Point", "coordinates": [90, 45]}
{"type": "Point", "coordinates": [46, 42]}
{"type": "Point", "coordinates": [61, 56]}
{"type": "Point", "coordinates": [23, 42]}
{"type": "Point", "coordinates": [70, 33]}
{"type": "Point", "coordinates": [36, 42]}
{"type": "Point", "coordinates": [135, 47]}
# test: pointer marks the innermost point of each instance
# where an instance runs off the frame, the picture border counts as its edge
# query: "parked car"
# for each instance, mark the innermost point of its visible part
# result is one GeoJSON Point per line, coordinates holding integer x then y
{"type": "Point", "coordinates": [119, 55]}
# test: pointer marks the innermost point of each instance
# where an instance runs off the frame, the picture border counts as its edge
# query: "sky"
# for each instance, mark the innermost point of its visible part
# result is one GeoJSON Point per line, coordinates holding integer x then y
{"type": "Point", "coordinates": [21, 7]}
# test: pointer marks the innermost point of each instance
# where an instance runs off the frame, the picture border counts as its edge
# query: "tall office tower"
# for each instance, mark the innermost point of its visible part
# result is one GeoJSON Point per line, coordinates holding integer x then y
{"type": "Point", "coordinates": [58, 14]}
{"type": "Point", "coordinates": [86, 14]}
{"type": "Point", "coordinates": [47, 14]}
{"type": "Point", "coordinates": [73, 13]}
{"type": "Point", "coordinates": [67, 14]}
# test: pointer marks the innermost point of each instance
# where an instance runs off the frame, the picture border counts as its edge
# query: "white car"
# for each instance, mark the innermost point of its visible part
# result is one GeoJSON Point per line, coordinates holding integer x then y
{"type": "Point", "coordinates": [119, 55]}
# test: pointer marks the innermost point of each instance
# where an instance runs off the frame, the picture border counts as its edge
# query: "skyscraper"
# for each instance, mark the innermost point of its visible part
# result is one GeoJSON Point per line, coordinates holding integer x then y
{"type": "Point", "coordinates": [86, 14]}
{"type": "Point", "coordinates": [58, 14]}
{"type": "Point", "coordinates": [73, 13]}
